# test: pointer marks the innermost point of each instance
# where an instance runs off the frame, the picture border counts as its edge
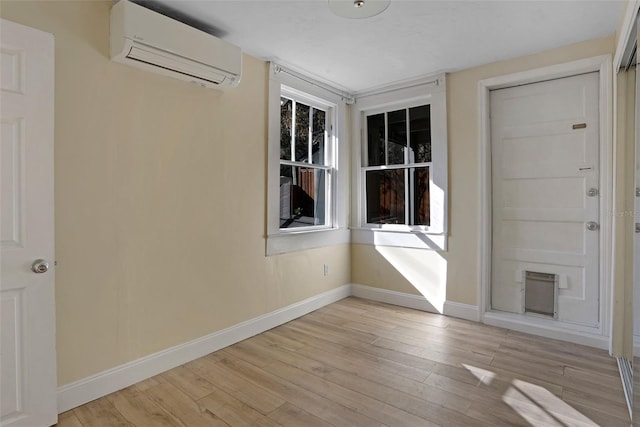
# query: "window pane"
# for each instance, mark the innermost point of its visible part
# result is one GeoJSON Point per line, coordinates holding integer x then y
{"type": "Point", "coordinates": [302, 196]}
{"type": "Point", "coordinates": [317, 145]}
{"type": "Point", "coordinates": [420, 193]}
{"type": "Point", "coordinates": [375, 138]}
{"type": "Point", "coordinates": [420, 125]}
{"type": "Point", "coordinates": [302, 133]}
{"type": "Point", "coordinates": [385, 196]}
{"type": "Point", "coordinates": [286, 106]}
{"type": "Point", "coordinates": [397, 137]}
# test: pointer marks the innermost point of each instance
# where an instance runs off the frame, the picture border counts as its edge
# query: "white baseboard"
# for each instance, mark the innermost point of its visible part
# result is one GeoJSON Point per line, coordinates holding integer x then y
{"type": "Point", "coordinates": [93, 387]}
{"type": "Point", "coordinates": [402, 299]}
{"type": "Point", "coordinates": [462, 311]}
{"type": "Point", "coordinates": [521, 324]}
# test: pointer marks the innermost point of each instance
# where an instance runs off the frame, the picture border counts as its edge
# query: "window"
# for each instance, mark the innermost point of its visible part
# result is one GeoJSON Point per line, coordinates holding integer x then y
{"type": "Point", "coordinates": [398, 158]}
{"type": "Point", "coordinates": [305, 164]}
{"type": "Point", "coordinates": [307, 180]}
{"type": "Point", "coordinates": [402, 158]}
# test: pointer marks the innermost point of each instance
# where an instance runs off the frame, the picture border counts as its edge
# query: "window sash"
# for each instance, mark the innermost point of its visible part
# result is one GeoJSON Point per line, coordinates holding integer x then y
{"type": "Point", "coordinates": [409, 199]}
{"type": "Point", "coordinates": [328, 221]}
{"type": "Point", "coordinates": [406, 146]}
{"type": "Point", "coordinates": [296, 97]}
{"type": "Point", "coordinates": [409, 202]}
{"type": "Point", "coordinates": [310, 131]}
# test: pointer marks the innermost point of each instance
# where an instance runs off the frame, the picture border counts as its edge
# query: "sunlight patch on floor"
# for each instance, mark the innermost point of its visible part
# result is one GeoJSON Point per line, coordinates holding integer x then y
{"type": "Point", "coordinates": [538, 405]}
{"type": "Point", "coordinates": [534, 403]}
{"type": "Point", "coordinates": [485, 376]}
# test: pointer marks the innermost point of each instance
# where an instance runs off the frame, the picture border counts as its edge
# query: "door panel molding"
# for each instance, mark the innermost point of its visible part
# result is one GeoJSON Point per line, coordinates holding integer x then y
{"type": "Point", "coordinates": [603, 65]}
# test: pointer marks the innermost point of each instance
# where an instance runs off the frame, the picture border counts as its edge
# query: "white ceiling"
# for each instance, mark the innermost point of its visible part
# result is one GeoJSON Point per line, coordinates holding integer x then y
{"type": "Point", "coordinates": [411, 38]}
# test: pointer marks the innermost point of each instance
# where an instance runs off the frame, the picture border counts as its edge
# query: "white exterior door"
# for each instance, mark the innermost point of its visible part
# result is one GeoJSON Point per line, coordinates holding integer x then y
{"type": "Point", "coordinates": [545, 161]}
{"type": "Point", "coordinates": [27, 311]}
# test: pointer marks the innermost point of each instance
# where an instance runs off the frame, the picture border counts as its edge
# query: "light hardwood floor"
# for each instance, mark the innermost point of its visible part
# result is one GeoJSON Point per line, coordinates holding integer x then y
{"type": "Point", "coordinates": [362, 363]}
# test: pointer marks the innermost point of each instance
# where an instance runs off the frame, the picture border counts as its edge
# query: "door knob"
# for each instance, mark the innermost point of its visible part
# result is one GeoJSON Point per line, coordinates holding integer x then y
{"type": "Point", "coordinates": [592, 226]}
{"type": "Point", "coordinates": [592, 192]}
{"type": "Point", "coordinates": [40, 266]}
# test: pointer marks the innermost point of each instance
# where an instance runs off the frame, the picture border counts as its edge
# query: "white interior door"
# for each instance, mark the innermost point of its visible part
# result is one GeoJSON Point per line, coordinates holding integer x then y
{"type": "Point", "coordinates": [545, 157]}
{"type": "Point", "coordinates": [27, 310]}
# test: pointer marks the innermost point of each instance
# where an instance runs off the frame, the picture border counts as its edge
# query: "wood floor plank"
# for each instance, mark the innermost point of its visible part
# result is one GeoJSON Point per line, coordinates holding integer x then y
{"type": "Point", "coordinates": [68, 419]}
{"type": "Point", "coordinates": [361, 361]}
{"type": "Point", "coordinates": [233, 411]}
{"type": "Point", "coordinates": [139, 409]}
{"type": "Point", "coordinates": [364, 363]}
{"type": "Point", "coordinates": [376, 351]}
{"type": "Point", "coordinates": [258, 398]}
{"type": "Point", "coordinates": [429, 337]}
{"type": "Point", "coordinates": [182, 407]}
{"type": "Point", "coordinates": [584, 398]}
{"type": "Point", "coordinates": [289, 415]}
{"type": "Point", "coordinates": [399, 391]}
{"type": "Point", "coordinates": [145, 385]}
{"type": "Point", "coordinates": [189, 382]}
{"type": "Point", "coordinates": [334, 412]}
{"type": "Point", "coordinates": [496, 414]}
{"type": "Point", "coordinates": [365, 405]}
{"type": "Point", "coordinates": [436, 406]}
{"type": "Point", "coordinates": [594, 363]}
{"type": "Point", "coordinates": [100, 413]}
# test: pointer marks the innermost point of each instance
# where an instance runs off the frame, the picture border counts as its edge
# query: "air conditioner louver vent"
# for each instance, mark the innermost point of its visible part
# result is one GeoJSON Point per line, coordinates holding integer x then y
{"type": "Point", "coordinates": [184, 67]}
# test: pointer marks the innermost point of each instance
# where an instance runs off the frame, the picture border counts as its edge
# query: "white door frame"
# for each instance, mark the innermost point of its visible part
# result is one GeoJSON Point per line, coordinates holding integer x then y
{"type": "Point", "coordinates": [603, 65]}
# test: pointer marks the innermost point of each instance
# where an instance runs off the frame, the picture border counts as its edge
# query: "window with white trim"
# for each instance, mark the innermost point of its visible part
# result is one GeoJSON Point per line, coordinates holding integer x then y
{"type": "Point", "coordinates": [397, 157]}
{"type": "Point", "coordinates": [402, 159]}
{"type": "Point", "coordinates": [307, 174]}
{"type": "Point", "coordinates": [306, 162]}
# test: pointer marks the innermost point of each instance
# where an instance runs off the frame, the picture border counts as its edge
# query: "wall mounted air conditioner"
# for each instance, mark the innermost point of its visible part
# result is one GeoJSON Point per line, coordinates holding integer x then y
{"type": "Point", "coordinates": [146, 39]}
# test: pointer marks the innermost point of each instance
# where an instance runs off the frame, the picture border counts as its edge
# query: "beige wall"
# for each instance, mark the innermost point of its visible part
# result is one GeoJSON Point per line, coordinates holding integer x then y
{"type": "Point", "coordinates": [160, 202]}
{"type": "Point", "coordinates": [624, 208]}
{"type": "Point", "coordinates": [460, 277]}
{"type": "Point", "coordinates": [623, 218]}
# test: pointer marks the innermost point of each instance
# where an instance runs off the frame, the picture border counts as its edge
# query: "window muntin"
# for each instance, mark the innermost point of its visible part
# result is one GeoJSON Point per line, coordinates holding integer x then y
{"type": "Point", "coordinates": [397, 166]}
{"type": "Point", "coordinates": [305, 166]}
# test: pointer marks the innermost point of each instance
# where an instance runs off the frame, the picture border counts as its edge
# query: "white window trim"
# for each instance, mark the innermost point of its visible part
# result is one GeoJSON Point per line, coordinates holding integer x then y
{"type": "Point", "coordinates": [428, 90]}
{"type": "Point", "coordinates": [280, 241]}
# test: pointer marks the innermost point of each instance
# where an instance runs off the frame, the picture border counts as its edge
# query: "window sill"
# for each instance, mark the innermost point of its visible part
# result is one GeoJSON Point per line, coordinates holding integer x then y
{"type": "Point", "coordinates": [291, 241]}
{"type": "Point", "coordinates": [400, 239]}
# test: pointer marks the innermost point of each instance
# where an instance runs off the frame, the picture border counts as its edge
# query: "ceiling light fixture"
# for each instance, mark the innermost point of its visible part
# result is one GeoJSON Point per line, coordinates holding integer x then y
{"type": "Point", "coordinates": [358, 9]}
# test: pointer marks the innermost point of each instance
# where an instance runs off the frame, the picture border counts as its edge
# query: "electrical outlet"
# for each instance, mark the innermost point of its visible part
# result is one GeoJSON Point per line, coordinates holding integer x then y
{"type": "Point", "coordinates": [326, 270]}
